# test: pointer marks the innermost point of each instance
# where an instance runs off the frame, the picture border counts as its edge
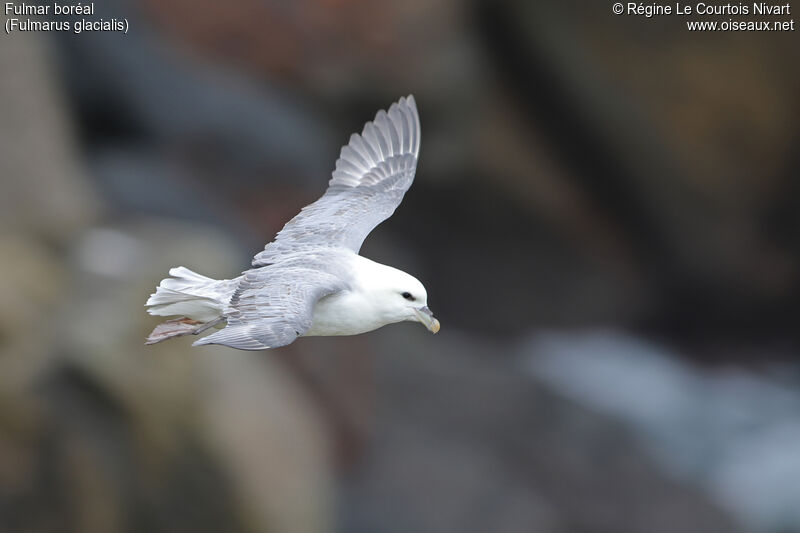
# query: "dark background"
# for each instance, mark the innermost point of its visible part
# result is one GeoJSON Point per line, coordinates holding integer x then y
{"type": "Point", "coordinates": [606, 216]}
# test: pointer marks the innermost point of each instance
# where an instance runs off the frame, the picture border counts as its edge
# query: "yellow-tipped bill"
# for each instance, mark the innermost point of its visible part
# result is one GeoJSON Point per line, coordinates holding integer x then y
{"type": "Point", "coordinates": [425, 316]}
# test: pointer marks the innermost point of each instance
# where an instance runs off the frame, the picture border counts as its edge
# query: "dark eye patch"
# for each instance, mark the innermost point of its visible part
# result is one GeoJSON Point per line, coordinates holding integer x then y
{"type": "Point", "coordinates": [407, 296]}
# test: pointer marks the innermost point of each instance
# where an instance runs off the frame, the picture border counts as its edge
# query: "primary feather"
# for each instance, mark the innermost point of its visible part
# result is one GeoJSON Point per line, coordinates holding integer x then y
{"type": "Point", "coordinates": [372, 174]}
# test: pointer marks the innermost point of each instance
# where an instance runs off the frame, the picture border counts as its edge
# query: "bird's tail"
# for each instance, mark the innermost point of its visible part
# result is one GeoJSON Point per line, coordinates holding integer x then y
{"type": "Point", "coordinates": [198, 301]}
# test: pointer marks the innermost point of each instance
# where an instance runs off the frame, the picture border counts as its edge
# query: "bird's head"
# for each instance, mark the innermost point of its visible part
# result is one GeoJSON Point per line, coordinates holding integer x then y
{"type": "Point", "coordinates": [402, 297]}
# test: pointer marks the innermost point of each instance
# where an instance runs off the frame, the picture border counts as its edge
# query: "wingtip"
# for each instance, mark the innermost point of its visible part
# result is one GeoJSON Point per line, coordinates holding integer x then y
{"type": "Point", "coordinates": [383, 116]}
{"type": "Point", "coordinates": [407, 101]}
{"type": "Point", "coordinates": [411, 101]}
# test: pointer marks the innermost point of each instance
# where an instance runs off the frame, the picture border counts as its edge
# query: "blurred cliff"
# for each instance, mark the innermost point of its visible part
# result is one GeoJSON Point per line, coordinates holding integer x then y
{"type": "Point", "coordinates": [605, 215]}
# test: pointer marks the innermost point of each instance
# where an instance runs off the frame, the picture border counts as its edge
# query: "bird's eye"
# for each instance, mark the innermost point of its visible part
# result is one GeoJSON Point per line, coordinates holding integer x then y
{"type": "Point", "coordinates": [407, 296]}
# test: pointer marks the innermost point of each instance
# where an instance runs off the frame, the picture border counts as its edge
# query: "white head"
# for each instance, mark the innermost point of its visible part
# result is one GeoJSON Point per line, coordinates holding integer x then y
{"type": "Point", "coordinates": [397, 297]}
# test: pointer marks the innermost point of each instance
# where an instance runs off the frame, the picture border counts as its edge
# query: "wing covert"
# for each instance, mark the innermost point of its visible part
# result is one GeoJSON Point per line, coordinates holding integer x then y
{"type": "Point", "coordinates": [273, 305]}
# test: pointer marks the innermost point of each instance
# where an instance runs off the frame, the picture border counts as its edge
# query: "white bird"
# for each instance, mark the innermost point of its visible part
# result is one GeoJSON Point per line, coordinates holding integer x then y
{"type": "Point", "coordinates": [310, 281]}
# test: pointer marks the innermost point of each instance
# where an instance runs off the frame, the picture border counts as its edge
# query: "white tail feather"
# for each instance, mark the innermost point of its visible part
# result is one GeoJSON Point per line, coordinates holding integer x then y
{"type": "Point", "coordinates": [189, 294]}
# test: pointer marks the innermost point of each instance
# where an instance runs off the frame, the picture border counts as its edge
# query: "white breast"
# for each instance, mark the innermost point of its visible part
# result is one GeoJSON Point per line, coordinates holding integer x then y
{"type": "Point", "coordinates": [343, 313]}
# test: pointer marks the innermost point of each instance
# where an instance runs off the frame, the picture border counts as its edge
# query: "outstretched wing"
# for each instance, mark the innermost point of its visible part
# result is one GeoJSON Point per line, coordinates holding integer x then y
{"type": "Point", "coordinates": [273, 305]}
{"type": "Point", "coordinates": [372, 174]}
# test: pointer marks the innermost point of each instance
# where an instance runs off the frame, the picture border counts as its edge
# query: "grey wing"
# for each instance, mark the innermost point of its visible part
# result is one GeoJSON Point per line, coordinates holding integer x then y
{"type": "Point", "coordinates": [372, 174]}
{"type": "Point", "coordinates": [272, 306]}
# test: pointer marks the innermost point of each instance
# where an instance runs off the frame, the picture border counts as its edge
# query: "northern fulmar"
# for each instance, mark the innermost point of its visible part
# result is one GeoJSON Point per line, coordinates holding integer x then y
{"type": "Point", "coordinates": [311, 281]}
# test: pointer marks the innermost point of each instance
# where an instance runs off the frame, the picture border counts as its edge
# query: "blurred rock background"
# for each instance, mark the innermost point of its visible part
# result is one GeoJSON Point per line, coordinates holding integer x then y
{"type": "Point", "coordinates": [605, 215]}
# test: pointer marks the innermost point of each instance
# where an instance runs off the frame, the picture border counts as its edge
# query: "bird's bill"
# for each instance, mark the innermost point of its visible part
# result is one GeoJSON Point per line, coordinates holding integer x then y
{"type": "Point", "coordinates": [425, 316]}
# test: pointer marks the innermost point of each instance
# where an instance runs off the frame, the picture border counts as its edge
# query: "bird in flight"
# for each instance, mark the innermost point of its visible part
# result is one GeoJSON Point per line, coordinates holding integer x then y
{"type": "Point", "coordinates": [311, 281]}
